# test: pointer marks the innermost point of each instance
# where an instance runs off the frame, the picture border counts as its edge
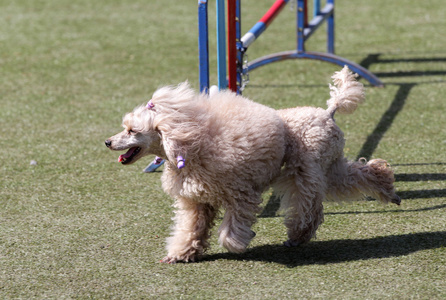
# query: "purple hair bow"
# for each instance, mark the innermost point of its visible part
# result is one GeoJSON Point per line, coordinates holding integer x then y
{"type": "Point", "coordinates": [181, 162]}
{"type": "Point", "coordinates": [150, 105]}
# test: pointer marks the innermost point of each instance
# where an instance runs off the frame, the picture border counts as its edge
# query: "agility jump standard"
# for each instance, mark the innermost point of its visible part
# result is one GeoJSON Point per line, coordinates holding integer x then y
{"type": "Point", "coordinates": [238, 45]}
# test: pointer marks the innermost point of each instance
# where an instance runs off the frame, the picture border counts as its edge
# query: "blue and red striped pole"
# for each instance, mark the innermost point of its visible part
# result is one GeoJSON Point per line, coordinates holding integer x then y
{"type": "Point", "coordinates": [263, 23]}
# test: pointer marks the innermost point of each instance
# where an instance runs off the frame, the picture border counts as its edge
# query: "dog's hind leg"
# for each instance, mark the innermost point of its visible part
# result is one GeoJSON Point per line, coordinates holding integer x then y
{"type": "Point", "coordinates": [302, 191]}
{"type": "Point", "coordinates": [351, 180]}
{"type": "Point", "coordinates": [191, 231]}
{"type": "Point", "coordinates": [235, 232]}
{"type": "Point", "coordinates": [302, 222]}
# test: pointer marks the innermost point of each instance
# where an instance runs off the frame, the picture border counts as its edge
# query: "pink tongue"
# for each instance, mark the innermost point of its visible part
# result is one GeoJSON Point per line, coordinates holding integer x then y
{"type": "Point", "coordinates": [127, 154]}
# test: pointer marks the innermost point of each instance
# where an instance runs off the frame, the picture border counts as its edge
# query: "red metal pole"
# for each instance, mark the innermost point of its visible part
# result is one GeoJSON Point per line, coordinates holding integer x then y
{"type": "Point", "coordinates": [232, 50]}
{"type": "Point", "coordinates": [272, 12]}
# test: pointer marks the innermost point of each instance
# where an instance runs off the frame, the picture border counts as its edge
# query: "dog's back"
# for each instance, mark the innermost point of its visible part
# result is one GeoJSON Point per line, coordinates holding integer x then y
{"type": "Point", "coordinates": [311, 135]}
{"type": "Point", "coordinates": [240, 139]}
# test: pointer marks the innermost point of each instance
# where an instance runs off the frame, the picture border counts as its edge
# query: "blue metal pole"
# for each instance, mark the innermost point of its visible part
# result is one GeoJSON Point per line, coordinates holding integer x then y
{"type": "Point", "coordinates": [203, 46]}
{"type": "Point", "coordinates": [317, 21]}
{"type": "Point", "coordinates": [238, 44]}
{"type": "Point", "coordinates": [316, 7]}
{"type": "Point", "coordinates": [221, 45]}
{"type": "Point", "coordinates": [301, 8]}
{"type": "Point", "coordinates": [331, 30]}
{"type": "Point", "coordinates": [328, 57]}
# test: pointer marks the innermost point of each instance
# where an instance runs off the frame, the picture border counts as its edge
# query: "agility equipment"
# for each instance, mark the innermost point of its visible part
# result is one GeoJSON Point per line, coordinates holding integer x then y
{"type": "Point", "coordinates": [237, 45]}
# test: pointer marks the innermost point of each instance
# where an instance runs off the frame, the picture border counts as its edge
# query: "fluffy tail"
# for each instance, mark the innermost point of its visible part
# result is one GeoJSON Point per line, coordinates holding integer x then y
{"type": "Point", "coordinates": [346, 93]}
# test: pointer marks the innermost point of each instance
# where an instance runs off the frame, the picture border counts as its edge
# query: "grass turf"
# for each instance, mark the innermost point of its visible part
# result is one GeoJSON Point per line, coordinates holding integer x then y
{"type": "Point", "coordinates": [79, 225]}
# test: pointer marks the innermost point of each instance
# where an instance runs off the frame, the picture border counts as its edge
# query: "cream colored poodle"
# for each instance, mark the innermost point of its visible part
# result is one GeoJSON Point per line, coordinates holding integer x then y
{"type": "Point", "coordinates": [223, 151]}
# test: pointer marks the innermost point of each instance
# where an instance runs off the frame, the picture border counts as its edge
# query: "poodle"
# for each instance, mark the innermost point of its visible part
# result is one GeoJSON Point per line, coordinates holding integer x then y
{"type": "Point", "coordinates": [223, 151]}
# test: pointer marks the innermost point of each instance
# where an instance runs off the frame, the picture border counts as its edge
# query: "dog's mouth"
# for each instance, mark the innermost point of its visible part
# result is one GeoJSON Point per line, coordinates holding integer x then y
{"type": "Point", "coordinates": [129, 155]}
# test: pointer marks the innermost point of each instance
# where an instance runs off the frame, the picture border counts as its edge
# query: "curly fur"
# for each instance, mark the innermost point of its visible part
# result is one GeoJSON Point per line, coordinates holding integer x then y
{"type": "Point", "coordinates": [235, 149]}
{"type": "Point", "coordinates": [346, 93]}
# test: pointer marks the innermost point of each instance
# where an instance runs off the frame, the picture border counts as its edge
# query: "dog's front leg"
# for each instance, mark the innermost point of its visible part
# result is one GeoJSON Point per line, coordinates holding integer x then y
{"type": "Point", "coordinates": [191, 231]}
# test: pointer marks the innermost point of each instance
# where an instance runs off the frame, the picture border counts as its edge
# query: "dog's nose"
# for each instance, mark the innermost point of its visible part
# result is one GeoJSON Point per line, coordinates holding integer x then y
{"type": "Point", "coordinates": [108, 143]}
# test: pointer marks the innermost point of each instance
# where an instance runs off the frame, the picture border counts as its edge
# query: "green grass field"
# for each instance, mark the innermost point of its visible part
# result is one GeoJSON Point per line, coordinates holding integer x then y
{"type": "Point", "coordinates": [79, 225]}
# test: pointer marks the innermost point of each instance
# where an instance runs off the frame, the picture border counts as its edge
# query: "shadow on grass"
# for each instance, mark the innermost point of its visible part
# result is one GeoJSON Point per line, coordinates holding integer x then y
{"type": "Point", "coordinates": [420, 177]}
{"type": "Point", "coordinates": [270, 210]}
{"type": "Point", "coordinates": [339, 251]}
{"type": "Point", "coordinates": [271, 207]}
{"type": "Point", "coordinates": [375, 58]}
{"type": "Point", "coordinates": [422, 194]}
{"type": "Point", "coordinates": [420, 164]}
{"type": "Point", "coordinates": [387, 211]}
{"type": "Point", "coordinates": [416, 177]}
{"type": "Point", "coordinates": [398, 102]}
{"type": "Point", "coordinates": [386, 121]}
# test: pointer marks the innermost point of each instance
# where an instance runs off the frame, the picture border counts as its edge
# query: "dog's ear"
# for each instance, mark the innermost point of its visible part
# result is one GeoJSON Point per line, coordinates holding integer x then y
{"type": "Point", "coordinates": [179, 119]}
{"type": "Point", "coordinates": [172, 148]}
{"type": "Point", "coordinates": [181, 138]}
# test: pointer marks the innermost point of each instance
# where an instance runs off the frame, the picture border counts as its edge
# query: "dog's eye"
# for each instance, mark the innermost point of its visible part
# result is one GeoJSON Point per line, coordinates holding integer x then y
{"type": "Point", "coordinates": [130, 131]}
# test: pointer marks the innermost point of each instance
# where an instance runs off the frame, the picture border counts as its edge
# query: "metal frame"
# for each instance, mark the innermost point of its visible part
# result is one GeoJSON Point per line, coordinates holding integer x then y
{"type": "Point", "coordinates": [203, 45]}
{"type": "Point", "coordinates": [238, 45]}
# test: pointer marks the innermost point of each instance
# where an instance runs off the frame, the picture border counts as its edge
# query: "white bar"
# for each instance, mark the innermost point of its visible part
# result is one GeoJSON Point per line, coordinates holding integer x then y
{"type": "Point", "coordinates": [248, 39]}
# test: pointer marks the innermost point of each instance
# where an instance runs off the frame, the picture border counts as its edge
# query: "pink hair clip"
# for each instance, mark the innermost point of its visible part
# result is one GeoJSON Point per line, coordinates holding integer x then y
{"type": "Point", "coordinates": [150, 105]}
{"type": "Point", "coordinates": [181, 162]}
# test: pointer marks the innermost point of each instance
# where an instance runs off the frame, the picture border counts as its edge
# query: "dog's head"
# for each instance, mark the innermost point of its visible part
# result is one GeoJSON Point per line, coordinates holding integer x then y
{"type": "Point", "coordinates": [139, 136]}
{"type": "Point", "coordinates": [169, 126]}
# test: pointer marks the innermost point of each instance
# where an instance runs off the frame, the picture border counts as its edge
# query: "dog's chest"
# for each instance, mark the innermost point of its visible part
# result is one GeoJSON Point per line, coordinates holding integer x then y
{"type": "Point", "coordinates": [190, 185]}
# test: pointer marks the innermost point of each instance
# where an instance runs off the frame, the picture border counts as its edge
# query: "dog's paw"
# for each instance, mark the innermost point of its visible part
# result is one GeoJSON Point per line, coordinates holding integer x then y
{"type": "Point", "coordinates": [184, 259]}
{"type": "Point", "coordinates": [168, 260]}
{"type": "Point", "coordinates": [291, 243]}
{"type": "Point", "coordinates": [396, 199]}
